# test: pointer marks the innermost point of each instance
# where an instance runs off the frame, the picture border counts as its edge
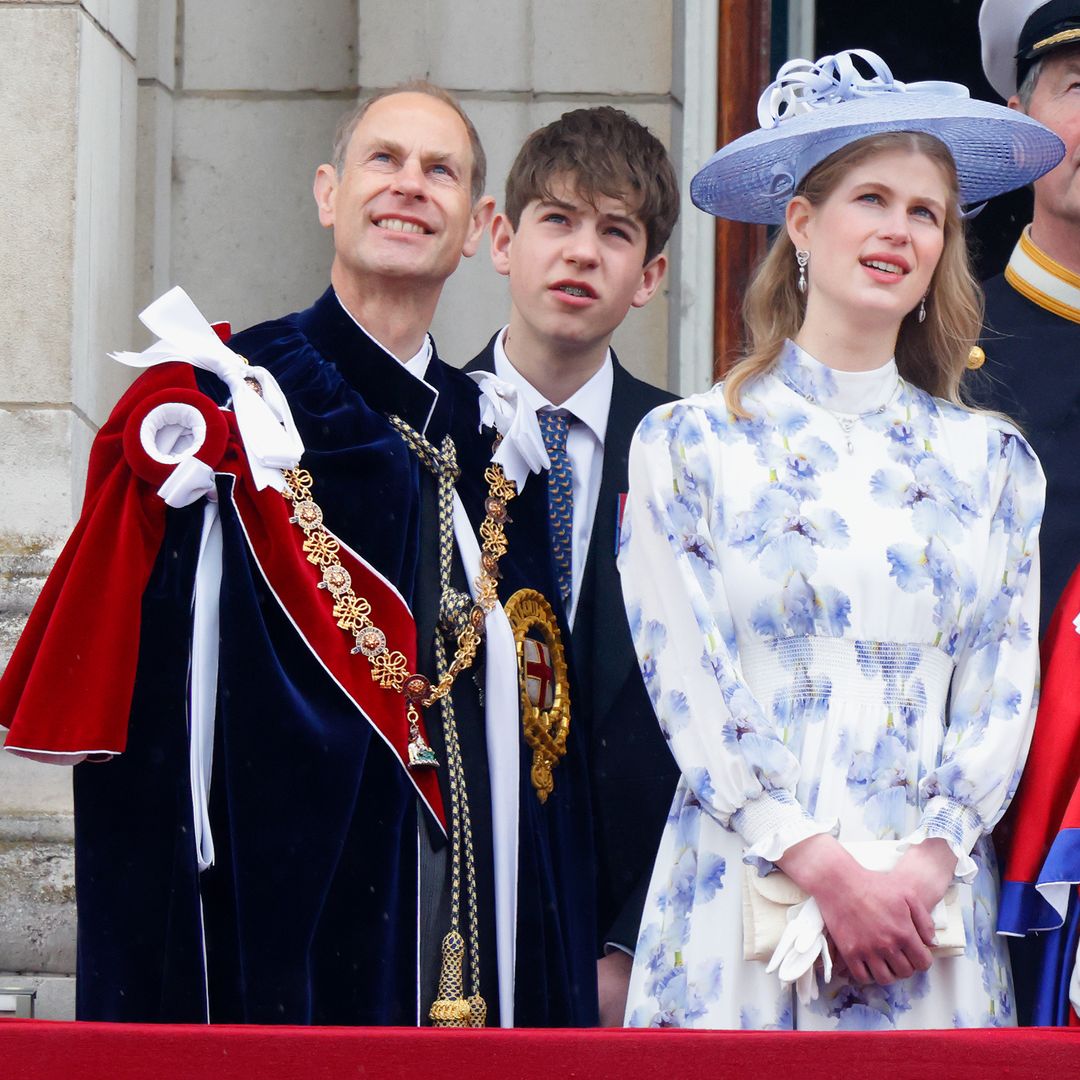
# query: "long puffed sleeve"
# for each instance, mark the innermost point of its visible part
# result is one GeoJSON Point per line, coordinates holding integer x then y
{"type": "Point", "coordinates": [726, 745]}
{"type": "Point", "coordinates": [994, 689]}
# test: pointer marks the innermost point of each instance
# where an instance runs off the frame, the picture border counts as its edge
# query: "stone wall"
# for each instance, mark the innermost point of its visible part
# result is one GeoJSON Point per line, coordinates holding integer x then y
{"type": "Point", "coordinates": [174, 142]}
{"type": "Point", "coordinates": [67, 214]}
{"type": "Point", "coordinates": [256, 98]}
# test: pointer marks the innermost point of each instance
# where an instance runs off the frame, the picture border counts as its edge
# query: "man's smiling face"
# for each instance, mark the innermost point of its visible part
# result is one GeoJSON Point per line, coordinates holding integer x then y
{"type": "Point", "coordinates": [402, 207]}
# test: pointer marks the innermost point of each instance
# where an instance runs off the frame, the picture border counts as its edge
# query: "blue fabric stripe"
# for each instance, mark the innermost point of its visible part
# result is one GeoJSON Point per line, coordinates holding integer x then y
{"type": "Point", "coordinates": [1023, 909]}
{"type": "Point", "coordinates": [1057, 954]}
{"type": "Point", "coordinates": [1063, 862]}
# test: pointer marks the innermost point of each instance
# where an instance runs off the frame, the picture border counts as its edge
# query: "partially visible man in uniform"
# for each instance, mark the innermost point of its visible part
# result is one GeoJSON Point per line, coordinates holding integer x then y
{"type": "Point", "coordinates": [1031, 56]}
{"type": "Point", "coordinates": [338, 861]}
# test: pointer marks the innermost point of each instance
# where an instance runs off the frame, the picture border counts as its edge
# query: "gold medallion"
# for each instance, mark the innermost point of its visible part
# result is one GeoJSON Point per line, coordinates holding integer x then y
{"type": "Point", "coordinates": [542, 678]}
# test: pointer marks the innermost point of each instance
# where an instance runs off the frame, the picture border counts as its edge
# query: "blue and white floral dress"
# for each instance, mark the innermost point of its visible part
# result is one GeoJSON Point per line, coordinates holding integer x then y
{"type": "Point", "coordinates": [835, 606]}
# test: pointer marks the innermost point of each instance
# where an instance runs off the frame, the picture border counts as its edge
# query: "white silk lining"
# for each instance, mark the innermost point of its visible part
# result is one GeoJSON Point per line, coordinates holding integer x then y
{"type": "Point", "coordinates": [205, 640]}
{"type": "Point", "coordinates": [172, 432]}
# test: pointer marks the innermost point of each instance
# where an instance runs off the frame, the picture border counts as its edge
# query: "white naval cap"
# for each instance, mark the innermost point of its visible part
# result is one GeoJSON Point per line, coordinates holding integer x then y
{"type": "Point", "coordinates": [1015, 33]}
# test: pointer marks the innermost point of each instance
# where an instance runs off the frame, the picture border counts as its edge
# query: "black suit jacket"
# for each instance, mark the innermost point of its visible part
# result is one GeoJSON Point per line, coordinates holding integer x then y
{"type": "Point", "coordinates": [632, 772]}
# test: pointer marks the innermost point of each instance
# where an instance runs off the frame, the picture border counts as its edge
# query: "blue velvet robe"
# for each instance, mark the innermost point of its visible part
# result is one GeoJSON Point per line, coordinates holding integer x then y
{"type": "Point", "coordinates": [1032, 376]}
{"type": "Point", "coordinates": [310, 911]}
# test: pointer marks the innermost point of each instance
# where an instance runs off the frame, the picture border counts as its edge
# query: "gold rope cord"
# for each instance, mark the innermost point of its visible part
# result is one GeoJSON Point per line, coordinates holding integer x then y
{"type": "Point", "coordinates": [451, 1008]}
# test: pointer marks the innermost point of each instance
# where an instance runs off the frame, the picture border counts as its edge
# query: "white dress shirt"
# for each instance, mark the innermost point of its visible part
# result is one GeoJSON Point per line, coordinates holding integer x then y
{"type": "Point", "coordinates": [589, 406]}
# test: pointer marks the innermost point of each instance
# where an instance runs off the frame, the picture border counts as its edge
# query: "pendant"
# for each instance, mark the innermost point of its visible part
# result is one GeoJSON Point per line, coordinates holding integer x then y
{"type": "Point", "coordinates": [846, 426]}
{"type": "Point", "coordinates": [420, 754]}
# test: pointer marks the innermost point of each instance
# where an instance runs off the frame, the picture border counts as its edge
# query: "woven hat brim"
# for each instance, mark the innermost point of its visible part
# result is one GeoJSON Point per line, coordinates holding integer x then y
{"type": "Point", "coordinates": [995, 150]}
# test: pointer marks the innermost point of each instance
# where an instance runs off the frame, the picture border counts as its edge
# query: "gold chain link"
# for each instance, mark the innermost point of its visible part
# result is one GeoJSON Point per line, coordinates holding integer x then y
{"type": "Point", "coordinates": [389, 668]}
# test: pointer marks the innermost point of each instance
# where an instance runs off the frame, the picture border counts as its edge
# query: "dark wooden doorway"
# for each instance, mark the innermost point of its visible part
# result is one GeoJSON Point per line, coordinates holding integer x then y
{"type": "Point", "coordinates": [919, 39]}
{"type": "Point", "coordinates": [745, 67]}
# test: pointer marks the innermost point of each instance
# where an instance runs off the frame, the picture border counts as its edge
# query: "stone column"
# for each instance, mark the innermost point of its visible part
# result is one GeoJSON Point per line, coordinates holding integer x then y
{"type": "Point", "coordinates": [260, 85]}
{"type": "Point", "coordinates": [67, 177]}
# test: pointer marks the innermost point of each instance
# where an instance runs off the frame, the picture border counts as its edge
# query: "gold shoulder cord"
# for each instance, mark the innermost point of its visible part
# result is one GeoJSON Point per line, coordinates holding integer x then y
{"type": "Point", "coordinates": [463, 620]}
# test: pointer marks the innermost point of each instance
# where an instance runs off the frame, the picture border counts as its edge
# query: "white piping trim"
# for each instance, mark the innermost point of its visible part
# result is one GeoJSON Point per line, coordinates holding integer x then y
{"type": "Point", "coordinates": [203, 658]}
{"type": "Point", "coordinates": [56, 757]}
{"type": "Point", "coordinates": [205, 961]}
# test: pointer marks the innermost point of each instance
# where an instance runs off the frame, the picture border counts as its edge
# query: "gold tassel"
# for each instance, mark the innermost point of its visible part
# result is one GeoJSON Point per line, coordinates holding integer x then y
{"type": "Point", "coordinates": [477, 1011]}
{"type": "Point", "coordinates": [450, 1009]}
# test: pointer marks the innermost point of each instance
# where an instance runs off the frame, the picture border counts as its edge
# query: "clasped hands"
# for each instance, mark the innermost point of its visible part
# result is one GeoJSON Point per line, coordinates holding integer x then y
{"type": "Point", "coordinates": [878, 926]}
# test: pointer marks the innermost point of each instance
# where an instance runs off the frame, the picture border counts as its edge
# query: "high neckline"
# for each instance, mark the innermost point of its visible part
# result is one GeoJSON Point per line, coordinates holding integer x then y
{"type": "Point", "coordinates": [850, 392]}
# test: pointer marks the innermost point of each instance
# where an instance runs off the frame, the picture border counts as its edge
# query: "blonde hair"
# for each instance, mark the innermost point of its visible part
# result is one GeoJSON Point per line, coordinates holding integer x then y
{"type": "Point", "coordinates": [933, 354]}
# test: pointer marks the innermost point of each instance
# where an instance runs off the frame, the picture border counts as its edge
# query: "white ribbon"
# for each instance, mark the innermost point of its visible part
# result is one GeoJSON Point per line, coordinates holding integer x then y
{"type": "Point", "coordinates": [502, 407]}
{"type": "Point", "coordinates": [501, 729]}
{"type": "Point", "coordinates": [270, 438]}
{"type": "Point", "coordinates": [204, 675]}
{"type": "Point", "coordinates": [804, 85]}
{"type": "Point", "coordinates": [189, 481]}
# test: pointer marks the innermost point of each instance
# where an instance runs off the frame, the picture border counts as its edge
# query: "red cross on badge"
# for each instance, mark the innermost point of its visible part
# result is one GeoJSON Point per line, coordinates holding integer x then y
{"type": "Point", "coordinates": [539, 673]}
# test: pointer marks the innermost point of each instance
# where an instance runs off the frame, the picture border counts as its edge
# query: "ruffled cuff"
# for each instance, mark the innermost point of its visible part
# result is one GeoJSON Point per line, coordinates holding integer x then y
{"type": "Point", "coordinates": [957, 824]}
{"type": "Point", "coordinates": [772, 822]}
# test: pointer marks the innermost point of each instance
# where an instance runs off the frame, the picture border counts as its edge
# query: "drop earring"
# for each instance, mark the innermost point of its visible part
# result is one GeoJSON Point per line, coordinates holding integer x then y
{"type": "Point", "coordinates": [802, 258]}
{"type": "Point", "coordinates": [922, 308]}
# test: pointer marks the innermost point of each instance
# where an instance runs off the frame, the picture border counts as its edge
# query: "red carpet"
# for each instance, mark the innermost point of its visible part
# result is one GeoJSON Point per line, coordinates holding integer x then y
{"type": "Point", "coordinates": [42, 1050]}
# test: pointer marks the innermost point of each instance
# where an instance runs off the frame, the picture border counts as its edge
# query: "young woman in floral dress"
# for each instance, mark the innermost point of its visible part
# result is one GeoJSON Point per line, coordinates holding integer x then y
{"type": "Point", "coordinates": [830, 566]}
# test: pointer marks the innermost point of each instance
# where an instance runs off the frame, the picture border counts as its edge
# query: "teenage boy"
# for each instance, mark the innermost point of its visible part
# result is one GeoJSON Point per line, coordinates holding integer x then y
{"type": "Point", "coordinates": [590, 203]}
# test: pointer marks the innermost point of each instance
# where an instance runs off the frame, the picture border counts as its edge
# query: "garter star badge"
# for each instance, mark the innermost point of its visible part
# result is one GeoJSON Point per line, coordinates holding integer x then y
{"type": "Point", "coordinates": [545, 692]}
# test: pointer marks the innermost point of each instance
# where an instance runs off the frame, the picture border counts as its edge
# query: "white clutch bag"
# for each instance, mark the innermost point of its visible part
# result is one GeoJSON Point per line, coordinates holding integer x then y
{"type": "Point", "coordinates": [767, 900]}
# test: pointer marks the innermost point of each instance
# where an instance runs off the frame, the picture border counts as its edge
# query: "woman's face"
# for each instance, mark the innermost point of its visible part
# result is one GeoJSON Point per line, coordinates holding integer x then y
{"type": "Point", "coordinates": [875, 241]}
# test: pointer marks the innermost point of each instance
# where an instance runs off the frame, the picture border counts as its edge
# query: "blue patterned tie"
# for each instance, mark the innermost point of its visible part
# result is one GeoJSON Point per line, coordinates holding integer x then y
{"type": "Point", "coordinates": [555, 427]}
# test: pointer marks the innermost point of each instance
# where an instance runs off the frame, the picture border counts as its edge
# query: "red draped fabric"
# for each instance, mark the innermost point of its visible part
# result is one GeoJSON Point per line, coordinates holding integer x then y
{"type": "Point", "coordinates": [41, 1050]}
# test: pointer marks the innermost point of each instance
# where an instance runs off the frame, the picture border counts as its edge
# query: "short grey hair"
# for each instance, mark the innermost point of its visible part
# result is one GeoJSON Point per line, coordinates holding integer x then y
{"type": "Point", "coordinates": [1027, 87]}
{"type": "Point", "coordinates": [347, 125]}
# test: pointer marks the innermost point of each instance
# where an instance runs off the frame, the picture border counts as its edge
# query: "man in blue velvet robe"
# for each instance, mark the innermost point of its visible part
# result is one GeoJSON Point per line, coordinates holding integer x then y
{"type": "Point", "coordinates": [328, 896]}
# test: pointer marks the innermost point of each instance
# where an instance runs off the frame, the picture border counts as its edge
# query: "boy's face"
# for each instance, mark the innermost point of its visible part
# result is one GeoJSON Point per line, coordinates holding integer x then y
{"type": "Point", "coordinates": [575, 270]}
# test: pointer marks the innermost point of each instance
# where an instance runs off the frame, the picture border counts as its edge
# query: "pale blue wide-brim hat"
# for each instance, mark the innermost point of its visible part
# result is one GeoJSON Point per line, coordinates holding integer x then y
{"type": "Point", "coordinates": [814, 109]}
